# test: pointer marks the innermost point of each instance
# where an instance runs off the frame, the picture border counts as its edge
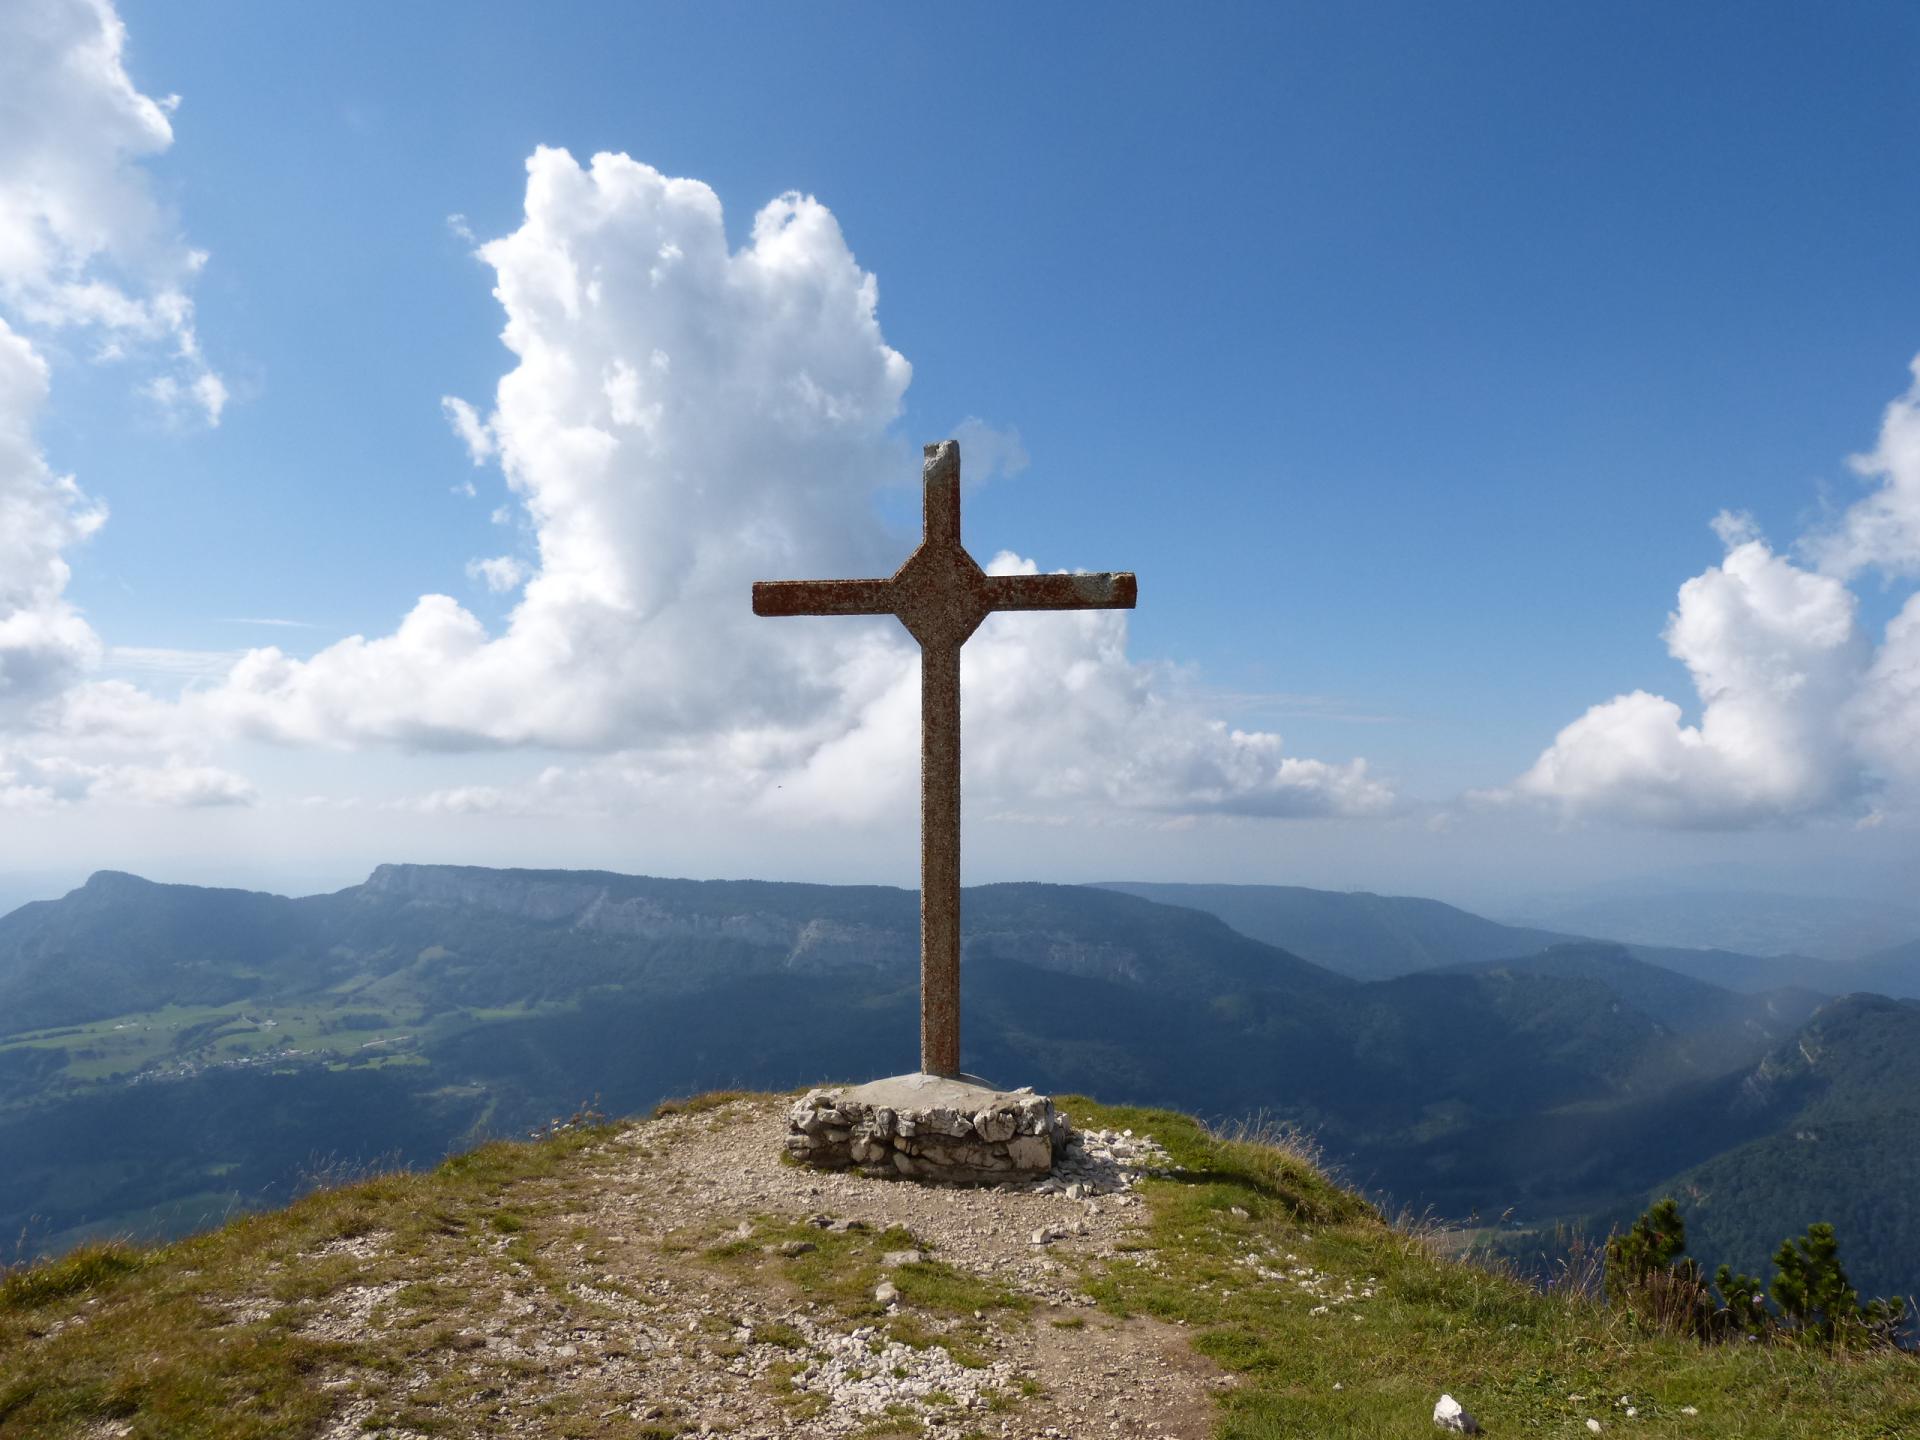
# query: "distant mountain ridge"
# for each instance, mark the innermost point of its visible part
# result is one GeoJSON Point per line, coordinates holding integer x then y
{"type": "Point", "coordinates": [1727, 1021]}
{"type": "Point", "coordinates": [1367, 936]}
{"type": "Point", "coordinates": [1829, 928]}
{"type": "Point", "coordinates": [121, 939]}
{"type": "Point", "coordinates": [432, 1004]}
{"type": "Point", "coordinates": [865, 926]}
{"type": "Point", "coordinates": [1375, 937]}
{"type": "Point", "coordinates": [1893, 971]}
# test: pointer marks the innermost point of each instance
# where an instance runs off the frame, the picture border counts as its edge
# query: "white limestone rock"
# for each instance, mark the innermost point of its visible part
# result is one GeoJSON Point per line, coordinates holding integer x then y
{"type": "Point", "coordinates": [1450, 1414]}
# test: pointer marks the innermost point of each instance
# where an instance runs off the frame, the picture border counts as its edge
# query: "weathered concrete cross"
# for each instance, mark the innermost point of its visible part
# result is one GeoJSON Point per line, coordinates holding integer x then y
{"type": "Point", "coordinates": [941, 596]}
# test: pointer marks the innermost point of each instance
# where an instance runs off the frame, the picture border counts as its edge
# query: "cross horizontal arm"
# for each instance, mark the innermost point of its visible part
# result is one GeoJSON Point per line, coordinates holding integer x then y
{"type": "Point", "coordinates": [823, 597]}
{"type": "Point", "coordinates": [1108, 590]}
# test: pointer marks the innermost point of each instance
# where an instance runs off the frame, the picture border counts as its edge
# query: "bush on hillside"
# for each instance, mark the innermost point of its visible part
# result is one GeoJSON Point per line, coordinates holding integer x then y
{"type": "Point", "coordinates": [1649, 1275]}
{"type": "Point", "coordinates": [1816, 1298]}
{"type": "Point", "coordinates": [1743, 1302]}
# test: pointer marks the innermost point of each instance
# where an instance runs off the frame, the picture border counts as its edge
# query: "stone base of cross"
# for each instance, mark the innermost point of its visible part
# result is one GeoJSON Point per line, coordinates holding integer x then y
{"type": "Point", "coordinates": [941, 595]}
{"type": "Point", "coordinates": [952, 1129]}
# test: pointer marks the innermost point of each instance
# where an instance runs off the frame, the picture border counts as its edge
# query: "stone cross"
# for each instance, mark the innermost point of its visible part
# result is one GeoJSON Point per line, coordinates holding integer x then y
{"type": "Point", "coordinates": [941, 595]}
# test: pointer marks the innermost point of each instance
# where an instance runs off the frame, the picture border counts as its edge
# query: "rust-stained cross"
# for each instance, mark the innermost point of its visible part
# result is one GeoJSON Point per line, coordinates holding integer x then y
{"type": "Point", "coordinates": [941, 596]}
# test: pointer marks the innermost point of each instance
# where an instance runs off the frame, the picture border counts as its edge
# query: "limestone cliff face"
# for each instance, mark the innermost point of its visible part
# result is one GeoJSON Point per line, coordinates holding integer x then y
{"type": "Point", "coordinates": [839, 945]}
{"type": "Point", "coordinates": [525, 895]}
{"type": "Point", "coordinates": [647, 919]}
{"type": "Point", "coordinates": [582, 900]}
{"type": "Point", "coordinates": [635, 909]}
{"type": "Point", "coordinates": [881, 936]}
{"type": "Point", "coordinates": [1063, 953]}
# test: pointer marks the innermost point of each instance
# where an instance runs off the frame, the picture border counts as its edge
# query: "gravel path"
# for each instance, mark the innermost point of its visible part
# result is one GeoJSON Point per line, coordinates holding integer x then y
{"type": "Point", "coordinates": [607, 1299]}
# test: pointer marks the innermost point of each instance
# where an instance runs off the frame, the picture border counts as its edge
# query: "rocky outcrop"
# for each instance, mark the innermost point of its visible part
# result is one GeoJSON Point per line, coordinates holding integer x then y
{"type": "Point", "coordinates": [1061, 953]}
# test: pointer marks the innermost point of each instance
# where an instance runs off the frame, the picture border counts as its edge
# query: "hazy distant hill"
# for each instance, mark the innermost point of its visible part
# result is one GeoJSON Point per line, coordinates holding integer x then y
{"type": "Point", "coordinates": [1713, 1028]}
{"type": "Point", "coordinates": [1370, 937]}
{"type": "Point", "coordinates": [1676, 1000]}
{"type": "Point", "coordinates": [1759, 923]}
{"type": "Point", "coordinates": [168, 1053]}
{"type": "Point", "coordinates": [121, 943]}
{"type": "Point", "coordinates": [1375, 937]}
{"type": "Point", "coordinates": [1894, 971]}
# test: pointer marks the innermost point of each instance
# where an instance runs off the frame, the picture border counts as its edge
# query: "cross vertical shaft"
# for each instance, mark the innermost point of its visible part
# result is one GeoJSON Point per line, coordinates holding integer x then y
{"type": "Point", "coordinates": [941, 595]}
{"type": "Point", "coordinates": [940, 797]}
{"type": "Point", "coordinates": [940, 859]}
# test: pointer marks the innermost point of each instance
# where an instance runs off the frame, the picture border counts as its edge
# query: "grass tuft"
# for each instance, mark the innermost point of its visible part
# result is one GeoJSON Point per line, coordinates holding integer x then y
{"type": "Point", "coordinates": [90, 1267]}
{"type": "Point", "coordinates": [701, 1104]}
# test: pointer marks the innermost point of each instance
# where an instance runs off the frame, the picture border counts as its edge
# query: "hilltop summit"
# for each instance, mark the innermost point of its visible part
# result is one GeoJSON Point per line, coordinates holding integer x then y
{"type": "Point", "coordinates": [671, 1277]}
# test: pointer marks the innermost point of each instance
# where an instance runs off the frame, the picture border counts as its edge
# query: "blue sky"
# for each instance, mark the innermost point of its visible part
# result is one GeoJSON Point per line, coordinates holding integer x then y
{"type": "Point", "coordinates": [1406, 353]}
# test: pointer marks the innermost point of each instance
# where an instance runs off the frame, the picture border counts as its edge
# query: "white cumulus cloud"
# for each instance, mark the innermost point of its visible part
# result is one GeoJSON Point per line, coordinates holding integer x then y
{"type": "Point", "coordinates": [1886, 712]}
{"type": "Point", "coordinates": [468, 425]}
{"type": "Point", "coordinates": [499, 573]}
{"type": "Point", "coordinates": [1882, 528]}
{"type": "Point", "coordinates": [1801, 714]}
{"type": "Point", "coordinates": [83, 241]}
{"type": "Point", "coordinates": [45, 645]}
{"type": "Point", "coordinates": [85, 248]}
{"type": "Point", "coordinates": [45, 782]}
{"type": "Point", "coordinates": [683, 418]}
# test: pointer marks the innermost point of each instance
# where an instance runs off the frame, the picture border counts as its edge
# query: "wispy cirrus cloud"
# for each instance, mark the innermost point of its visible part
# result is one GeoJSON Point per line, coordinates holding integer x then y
{"type": "Point", "coordinates": [160, 660]}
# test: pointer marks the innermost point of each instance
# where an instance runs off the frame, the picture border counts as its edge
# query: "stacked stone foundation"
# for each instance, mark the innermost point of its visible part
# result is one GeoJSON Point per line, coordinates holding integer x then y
{"type": "Point", "coordinates": [1009, 1136]}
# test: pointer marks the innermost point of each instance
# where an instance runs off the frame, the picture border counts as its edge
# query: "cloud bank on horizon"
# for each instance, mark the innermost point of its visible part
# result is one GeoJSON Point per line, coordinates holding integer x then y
{"type": "Point", "coordinates": [1802, 715]}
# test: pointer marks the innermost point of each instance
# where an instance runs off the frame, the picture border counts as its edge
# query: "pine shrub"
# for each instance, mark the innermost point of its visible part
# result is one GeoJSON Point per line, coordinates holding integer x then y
{"type": "Point", "coordinates": [1649, 1275]}
{"type": "Point", "coordinates": [1816, 1298]}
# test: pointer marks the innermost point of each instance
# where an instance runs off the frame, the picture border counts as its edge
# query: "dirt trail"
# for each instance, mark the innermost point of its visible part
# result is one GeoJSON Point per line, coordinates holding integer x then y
{"type": "Point", "coordinates": [665, 1285]}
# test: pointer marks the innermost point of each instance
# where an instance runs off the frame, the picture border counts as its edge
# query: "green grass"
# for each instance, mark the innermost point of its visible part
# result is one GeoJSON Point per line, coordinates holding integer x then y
{"type": "Point", "coordinates": [701, 1104]}
{"type": "Point", "coordinates": [86, 1268]}
{"type": "Point", "coordinates": [146, 1334]}
{"type": "Point", "coordinates": [1513, 1356]}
